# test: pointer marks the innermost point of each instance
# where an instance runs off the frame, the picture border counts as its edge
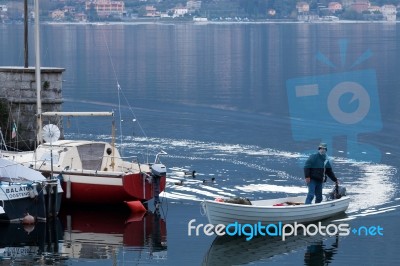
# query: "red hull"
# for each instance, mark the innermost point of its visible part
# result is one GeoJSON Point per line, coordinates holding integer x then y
{"type": "Point", "coordinates": [134, 188]}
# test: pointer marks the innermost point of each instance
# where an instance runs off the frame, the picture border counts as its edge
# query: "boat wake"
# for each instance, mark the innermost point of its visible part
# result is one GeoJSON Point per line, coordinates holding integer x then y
{"type": "Point", "coordinates": [234, 170]}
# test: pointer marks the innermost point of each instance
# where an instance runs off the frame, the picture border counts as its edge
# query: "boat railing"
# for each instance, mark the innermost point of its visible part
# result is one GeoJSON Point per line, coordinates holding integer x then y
{"type": "Point", "coordinates": [124, 164]}
{"type": "Point", "coordinates": [134, 158]}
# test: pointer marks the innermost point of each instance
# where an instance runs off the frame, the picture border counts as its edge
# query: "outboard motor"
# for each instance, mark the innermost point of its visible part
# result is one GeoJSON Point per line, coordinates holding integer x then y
{"type": "Point", "coordinates": [158, 171]}
{"type": "Point", "coordinates": [336, 193]}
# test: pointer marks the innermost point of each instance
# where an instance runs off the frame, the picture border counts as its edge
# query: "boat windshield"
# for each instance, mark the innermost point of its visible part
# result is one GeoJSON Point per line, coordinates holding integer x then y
{"type": "Point", "coordinates": [91, 155]}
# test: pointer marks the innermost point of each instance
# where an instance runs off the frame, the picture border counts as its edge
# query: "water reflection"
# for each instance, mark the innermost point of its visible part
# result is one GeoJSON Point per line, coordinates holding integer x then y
{"type": "Point", "coordinates": [101, 234]}
{"type": "Point", "coordinates": [30, 243]}
{"type": "Point", "coordinates": [86, 234]}
{"type": "Point", "coordinates": [319, 253]}
{"type": "Point", "coordinates": [227, 250]}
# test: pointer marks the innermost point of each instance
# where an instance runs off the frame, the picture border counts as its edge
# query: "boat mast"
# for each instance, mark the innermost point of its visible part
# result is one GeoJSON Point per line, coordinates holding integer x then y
{"type": "Point", "coordinates": [37, 76]}
{"type": "Point", "coordinates": [26, 63]}
{"type": "Point", "coordinates": [113, 145]}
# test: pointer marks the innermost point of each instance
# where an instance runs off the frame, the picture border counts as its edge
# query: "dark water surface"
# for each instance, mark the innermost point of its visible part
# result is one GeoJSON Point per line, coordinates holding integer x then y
{"type": "Point", "coordinates": [242, 103]}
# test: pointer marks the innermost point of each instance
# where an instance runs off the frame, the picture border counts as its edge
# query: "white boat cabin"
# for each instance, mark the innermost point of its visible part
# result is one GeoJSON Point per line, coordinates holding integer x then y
{"type": "Point", "coordinates": [70, 155]}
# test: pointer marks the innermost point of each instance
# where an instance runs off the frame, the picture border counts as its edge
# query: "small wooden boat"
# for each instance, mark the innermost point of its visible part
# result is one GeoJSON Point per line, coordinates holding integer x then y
{"type": "Point", "coordinates": [285, 210]}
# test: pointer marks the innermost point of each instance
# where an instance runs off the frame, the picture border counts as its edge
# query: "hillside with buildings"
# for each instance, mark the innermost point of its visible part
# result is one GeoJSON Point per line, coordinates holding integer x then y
{"type": "Point", "coordinates": [216, 10]}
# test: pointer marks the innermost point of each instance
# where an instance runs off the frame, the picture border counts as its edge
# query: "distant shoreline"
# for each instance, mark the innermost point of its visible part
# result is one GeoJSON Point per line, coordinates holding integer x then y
{"type": "Point", "coordinates": [177, 22]}
{"type": "Point", "coordinates": [168, 22]}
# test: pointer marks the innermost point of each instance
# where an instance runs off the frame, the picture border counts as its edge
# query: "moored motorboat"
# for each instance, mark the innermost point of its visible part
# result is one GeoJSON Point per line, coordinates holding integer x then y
{"type": "Point", "coordinates": [94, 172]}
{"type": "Point", "coordinates": [26, 194]}
{"type": "Point", "coordinates": [272, 211]}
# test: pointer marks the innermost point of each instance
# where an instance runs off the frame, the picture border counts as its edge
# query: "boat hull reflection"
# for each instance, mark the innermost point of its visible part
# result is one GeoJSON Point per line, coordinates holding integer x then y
{"type": "Point", "coordinates": [97, 234]}
{"type": "Point", "coordinates": [229, 250]}
{"type": "Point", "coordinates": [30, 243]}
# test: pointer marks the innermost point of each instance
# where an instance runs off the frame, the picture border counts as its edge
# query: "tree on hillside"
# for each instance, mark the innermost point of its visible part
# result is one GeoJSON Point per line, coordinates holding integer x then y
{"type": "Point", "coordinates": [92, 14]}
{"type": "Point", "coordinates": [254, 8]}
{"type": "Point", "coordinates": [284, 8]}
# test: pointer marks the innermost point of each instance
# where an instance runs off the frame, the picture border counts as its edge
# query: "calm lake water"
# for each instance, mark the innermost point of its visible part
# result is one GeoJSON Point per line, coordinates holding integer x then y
{"type": "Point", "coordinates": [243, 104]}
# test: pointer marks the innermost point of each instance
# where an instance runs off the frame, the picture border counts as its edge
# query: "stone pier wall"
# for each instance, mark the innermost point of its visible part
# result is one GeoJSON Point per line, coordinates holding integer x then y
{"type": "Point", "coordinates": [18, 103]}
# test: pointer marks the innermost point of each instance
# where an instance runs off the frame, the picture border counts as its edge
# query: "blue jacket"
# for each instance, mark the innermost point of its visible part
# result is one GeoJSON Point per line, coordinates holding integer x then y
{"type": "Point", "coordinates": [314, 168]}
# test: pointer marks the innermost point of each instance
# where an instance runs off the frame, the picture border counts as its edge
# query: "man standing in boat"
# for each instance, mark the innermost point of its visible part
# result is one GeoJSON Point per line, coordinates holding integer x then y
{"type": "Point", "coordinates": [316, 170]}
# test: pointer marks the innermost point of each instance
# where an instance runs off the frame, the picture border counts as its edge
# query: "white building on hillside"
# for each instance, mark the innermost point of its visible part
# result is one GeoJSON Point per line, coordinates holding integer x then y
{"type": "Point", "coordinates": [180, 11]}
{"type": "Point", "coordinates": [389, 12]}
{"type": "Point", "coordinates": [106, 8]}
